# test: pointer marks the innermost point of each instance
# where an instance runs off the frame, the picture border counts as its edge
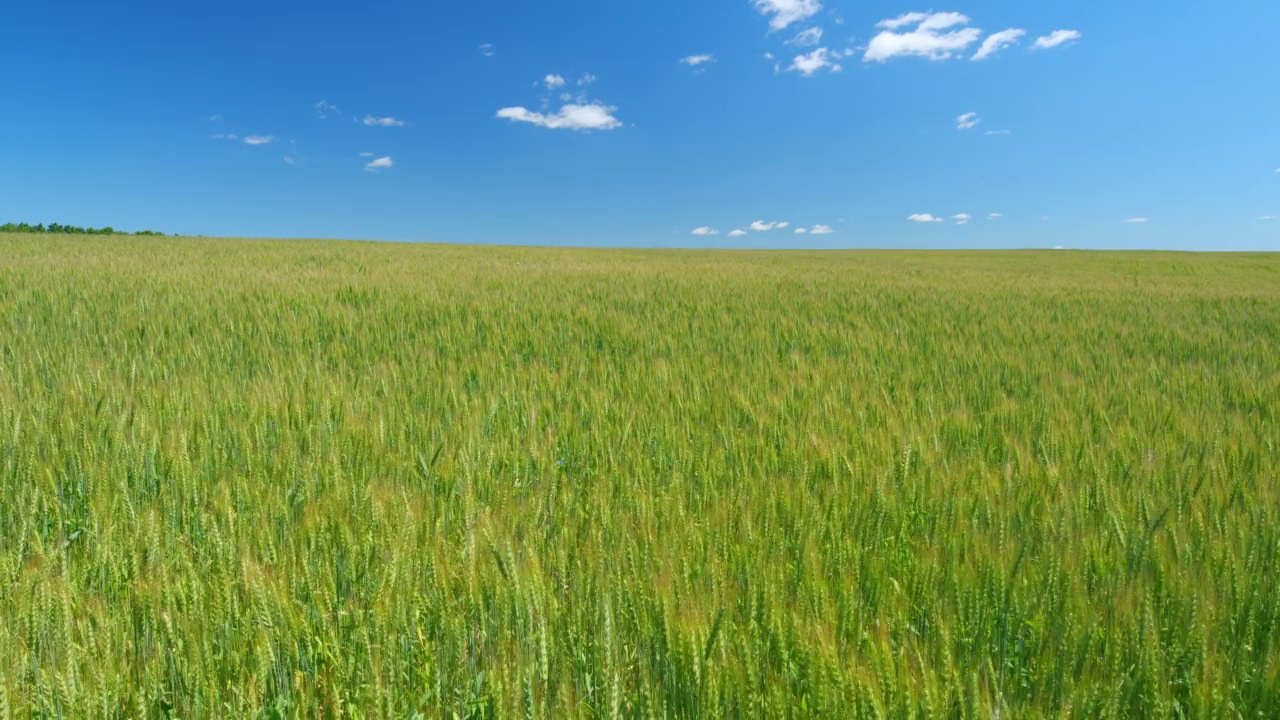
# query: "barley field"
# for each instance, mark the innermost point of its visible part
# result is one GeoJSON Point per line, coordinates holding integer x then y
{"type": "Point", "coordinates": [327, 479]}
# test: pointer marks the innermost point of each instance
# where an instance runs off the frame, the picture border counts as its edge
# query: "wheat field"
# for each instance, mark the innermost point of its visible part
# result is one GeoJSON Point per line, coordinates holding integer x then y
{"type": "Point", "coordinates": [328, 479]}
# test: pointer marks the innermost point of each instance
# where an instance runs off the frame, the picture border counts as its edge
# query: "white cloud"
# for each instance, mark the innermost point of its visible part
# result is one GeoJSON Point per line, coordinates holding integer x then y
{"type": "Point", "coordinates": [997, 216]}
{"type": "Point", "coordinates": [1056, 38]}
{"type": "Point", "coordinates": [737, 233]}
{"type": "Point", "coordinates": [224, 136]}
{"type": "Point", "coordinates": [257, 139]}
{"type": "Point", "coordinates": [812, 62]}
{"type": "Point", "coordinates": [807, 38]}
{"type": "Point", "coordinates": [1267, 217]}
{"type": "Point", "coordinates": [324, 109]}
{"type": "Point", "coordinates": [289, 161]}
{"type": "Point", "coordinates": [570, 117]}
{"type": "Point", "coordinates": [997, 132]}
{"type": "Point", "coordinates": [997, 42]}
{"type": "Point", "coordinates": [487, 49]}
{"type": "Point", "coordinates": [769, 56]}
{"type": "Point", "coordinates": [785, 12]}
{"type": "Point", "coordinates": [962, 217]}
{"type": "Point", "coordinates": [924, 218]}
{"type": "Point", "coordinates": [696, 60]}
{"type": "Point", "coordinates": [383, 121]}
{"type": "Point", "coordinates": [586, 80]}
{"type": "Point", "coordinates": [927, 39]}
{"type": "Point", "coordinates": [801, 231]}
{"type": "Point", "coordinates": [762, 226]}
{"type": "Point", "coordinates": [705, 231]}
{"type": "Point", "coordinates": [967, 121]}
{"type": "Point", "coordinates": [1136, 220]}
{"type": "Point", "coordinates": [553, 81]}
{"type": "Point", "coordinates": [381, 163]}
{"type": "Point", "coordinates": [822, 230]}
{"type": "Point", "coordinates": [215, 118]}
{"type": "Point", "coordinates": [366, 154]}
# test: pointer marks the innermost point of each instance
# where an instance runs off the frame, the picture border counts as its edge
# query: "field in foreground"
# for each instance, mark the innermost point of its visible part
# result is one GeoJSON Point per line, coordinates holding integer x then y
{"type": "Point", "coordinates": [301, 479]}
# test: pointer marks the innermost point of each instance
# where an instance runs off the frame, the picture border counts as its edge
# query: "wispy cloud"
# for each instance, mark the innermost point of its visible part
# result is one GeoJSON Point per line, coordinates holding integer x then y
{"type": "Point", "coordinates": [487, 49]}
{"type": "Point", "coordinates": [696, 60]}
{"type": "Point", "coordinates": [762, 226]}
{"type": "Point", "coordinates": [737, 233]}
{"type": "Point", "coordinates": [997, 42]}
{"type": "Point", "coordinates": [810, 63]}
{"type": "Point", "coordinates": [1056, 38]}
{"type": "Point", "coordinates": [962, 218]}
{"type": "Point", "coordinates": [225, 136]}
{"type": "Point", "coordinates": [705, 231]}
{"type": "Point", "coordinates": [215, 118]}
{"type": "Point", "coordinates": [324, 109]}
{"type": "Point", "coordinates": [289, 161]}
{"type": "Point", "coordinates": [807, 38]}
{"type": "Point", "coordinates": [381, 163]}
{"type": "Point", "coordinates": [997, 132]}
{"type": "Point", "coordinates": [1267, 217]}
{"type": "Point", "coordinates": [968, 121]}
{"type": "Point", "coordinates": [924, 218]}
{"type": "Point", "coordinates": [366, 154]}
{"type": "Point", "coordinates": [258, 139]}
{"type": "Point", "coordinates": [926, 40]}
{"type": "Point", "coordinates": [822, 230]}
{"type": "Point", "coordinates": [570, 117]}
{"type": "Point", "coordinates": [801, 231]}
{"type": "Point", "coordinates": [997, 216]}
{"type": "Point", "coordinates": [586, 80]}
{"type": "Point", "coordinates": [553, 81]}
{"type": "Point", "coordinates": [1137, 220]}
{"type": "Point", "coordinates": [786, 12]}
{"type": "Point", "coordinates": [382, 121]}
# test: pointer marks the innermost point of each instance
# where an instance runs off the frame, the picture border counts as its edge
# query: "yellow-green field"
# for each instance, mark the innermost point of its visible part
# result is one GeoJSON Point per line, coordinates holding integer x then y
{"type": "Point", "coordinates": [302, 479]}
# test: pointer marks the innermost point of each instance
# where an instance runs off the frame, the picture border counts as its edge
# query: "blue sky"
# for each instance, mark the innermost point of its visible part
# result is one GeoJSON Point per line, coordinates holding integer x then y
{"type": "Point", "coordinates": [590, 123]}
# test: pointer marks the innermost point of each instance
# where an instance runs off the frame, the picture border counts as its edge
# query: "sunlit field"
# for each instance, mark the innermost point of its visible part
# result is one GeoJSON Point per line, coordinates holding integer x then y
{"type": "Point", "coordinates": [318, 479]}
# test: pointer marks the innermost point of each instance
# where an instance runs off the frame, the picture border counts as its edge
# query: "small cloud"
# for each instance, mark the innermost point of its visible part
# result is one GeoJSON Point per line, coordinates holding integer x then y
{"type": "Point", "coordinates": [786, 12]}
{"type": "Point", "coordinates": [381, 163]}
{"type": "Point", "coordinates": [962, 218]}
{"type": "Point", "coordinates": [553, 81]}
{"type": "Point", "coordinates": [1267, 217]}
{"type": "Point", "coordinates": [366, 154]}
{"type": "Point", "coordinates": [586, 80]}
{"type": "Point", "coordinates": [1057, 247]}
{"type": "Point", "coordinates": [769, 56]}
{"type": "Point", "coordinates": [382, 121]}
{"type": "Point", "coordinates": [811, 63]}
{"type": "Point", "coordinates": [762, 226]}
{"type": "Point", "coordinates": [801, 231]}
{"type": "Point", "coordinates": [1045, 218]}
{"type": "Point", "coordinates": [1056, 38]}
{"type": "Point", "coordinates": [997, 132]}
{"type": "Point", "coordinates": [487, 49]}
{"type": "Point", "coordinates": [997, 42]}
{"type": "Point", "coordinates": [807, 38]}
{"type": "Point", "coordinates": [215, 118]}
{"type": "Point", "coordinates": [1137, 220]}
{"type": "Point", "coordinates": [821, 230]}
{"type": "Point", "coordinates": [290, 161]}
{"type": "Point", "coordinates": [737, 233]}
{"type": "Point", "coordinates": [696, 60]}
{"type": "Point", "coordinates": [705, 231]}
{"type": "Point", "coordinates": [224, 136]}
{"type": "Point", "coordinates": [997, 216]}
{"type": "Point", "coordinates": [258, 139]}
{"type": "Point", "coordinates": [927, 40]}
{"type": "Point", "coordinates": [570, 117]}
{"type": "Point", "coordinates": [324, 109]}
{"type": "Point", "coordinates": [924, 218]}
{"type": "Point", "coordinates": [968, 121]}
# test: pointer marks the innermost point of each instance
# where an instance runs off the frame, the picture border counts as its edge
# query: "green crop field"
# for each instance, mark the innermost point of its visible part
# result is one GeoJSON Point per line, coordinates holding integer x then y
{"type": "Point", "coordinates": [308, 479]}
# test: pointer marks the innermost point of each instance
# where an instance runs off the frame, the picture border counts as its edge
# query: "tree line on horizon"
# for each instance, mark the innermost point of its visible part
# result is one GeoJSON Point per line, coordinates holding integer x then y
{"type": "Point", "coordinates": [56, 228]}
